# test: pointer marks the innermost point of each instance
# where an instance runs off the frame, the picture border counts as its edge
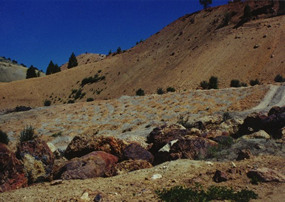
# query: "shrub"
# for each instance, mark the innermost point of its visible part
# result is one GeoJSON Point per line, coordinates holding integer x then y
{"type": "Point", "coordinates": [160, 91]}
{"type": "Point", "coordinates": [27, 134]}
{"type": "Point", "coordinates": [70, 101]}
{"type": "Point", "coordinates": [170, 89]}
{"type": "Point", "coordinates": [204, 85]}
{"type": "Point", "coordinates": [247, 12]}
{"type": "Point", "coordinates": [78, 94]}
{"type": "Point", "coordinates": [243, 84]}
{"type": "Point", "coordinates": [179, 193]}
{"type": "Point", "coordinates": [226, 116]}
{"type": "Point", "coordinates": [57, 134]}
{"type": "Point", "coordinates": [47, 103]}
{"type": "Point", "coordinates": [254, 82]}
{"type": "Point", "coordinates": [213, 83]}
{"type": "Point", "coordinates": [140, 92]}
{"type": "Point", "coordinates": [119, 50]}
{"type": "Point", "coordinates": [279, 78]}
{"type": "Point", "coordinates": [90, 99]}
{"type": "Point", "coordinates": [4, 138]}
{"type": "Point", "coordinates": [72, 62]}
{"type": "Point", "coordinates": [235, 83]}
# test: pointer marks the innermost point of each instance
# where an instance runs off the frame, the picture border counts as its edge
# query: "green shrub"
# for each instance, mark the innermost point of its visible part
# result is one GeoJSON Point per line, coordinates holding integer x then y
{"type": "Point", "coordinates": [170, 89]}
{"type": "Point", "coordinates": [235, 83]}
{"type": "Point", "coordinates": [90, 80]}
{"type": "Point", "coordinates": [78, 94]}
{"type": "Point", "coordinates": [204, 85]}
{"type": "Point", "coordinates": [70, 101]}
{"type": "Point", "coordinates": [57, 134]}
{"type": "Point", "coordinates": [243, 84]}
{"type": "Point", "coordinates": [213, 83]}
{"type": "Point", "coordinates": [140, 92]}
{"type": "Point", "coordinates": [27, 134]}
{"type": "Point", "coordinates": [160, 91]}
{"type": "Point", "coordinates": [254, 82]}
{"type": "Point", "coordinates": [279, 78]}
{"type": "Point", "coordinates": [47, 103]}
{"type": "Point", "coordinates": [226, 116]}
{"type": "Point", "coordinates": [90, 99]}
{"type": "Point", "coordinates": [4, 137]}
{"type": "Point", "coordinates": [197, 194]}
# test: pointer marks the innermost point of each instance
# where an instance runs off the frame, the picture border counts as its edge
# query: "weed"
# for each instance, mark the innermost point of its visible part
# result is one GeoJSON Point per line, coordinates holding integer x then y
{"type": "Point", "coordinates": [90, 99]}
{"type": "Point", "coordinates": [170, 89]}
{"type": "Point", "coordinates": [140, 92]}
{"type": "Point", "coordinates": [27, 134]}
{"type": "Point", "coordinates": [160, 91]}
{"type": "Point", "coordinates": [47, 103]}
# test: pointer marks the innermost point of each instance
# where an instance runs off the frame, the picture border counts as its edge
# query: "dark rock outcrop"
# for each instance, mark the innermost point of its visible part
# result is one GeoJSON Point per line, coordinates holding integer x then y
{"type": "Point", "coordinates": [37, 158]}
{"type": "Point", "coordinates": [220, 176]}
{"type": "Point", "coordinates": [135, 151]}
{"type": "Point", "coordinates": [94, 164]}
{"type": "Point", "coordinates": [12, 175]}
{"type": "Point", "coordinates": [82, 145]}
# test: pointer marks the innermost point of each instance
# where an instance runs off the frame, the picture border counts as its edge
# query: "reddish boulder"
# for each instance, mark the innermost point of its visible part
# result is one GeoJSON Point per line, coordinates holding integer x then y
{"type": "Point", "coordinates": [82, 145]}
{"type": "Point", "coordinates": [128, 166]}
{"type": "Point", "coordinates": [38, 159]}
{"type": "Point", "coordinates": [266, 175]}
{"type": "Point", "coordinates": [12, 175]}
{"type": "Point", "coordinates": [163, 135]}
{"type": "Point", "coordinates": [135, 151]}
{"type": "Point", "coordinates": [94, 164]}
{"type": "Point", "coordinates": [243, 154]}
{"type": "Point", "coordinates": [220, 176]}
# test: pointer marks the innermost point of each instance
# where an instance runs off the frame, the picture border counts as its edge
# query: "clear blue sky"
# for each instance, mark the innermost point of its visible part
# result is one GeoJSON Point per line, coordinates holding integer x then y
{"type": "Point", "coordinates": [34, 32]}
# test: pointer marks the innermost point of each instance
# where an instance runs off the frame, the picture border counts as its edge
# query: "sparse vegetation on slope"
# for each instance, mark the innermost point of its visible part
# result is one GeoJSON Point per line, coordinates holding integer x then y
{"type": "Point", "coordinates": [27, 134]}
{"type": "Point", "coordinates": [4, 137]}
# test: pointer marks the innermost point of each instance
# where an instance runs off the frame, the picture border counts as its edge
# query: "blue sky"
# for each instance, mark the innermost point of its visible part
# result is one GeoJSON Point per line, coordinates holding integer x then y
{"type": "Point", "coordinates": [34, 32]}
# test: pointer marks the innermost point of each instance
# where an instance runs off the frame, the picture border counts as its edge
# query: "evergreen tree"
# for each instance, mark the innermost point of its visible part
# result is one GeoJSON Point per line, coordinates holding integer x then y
{"type": "Point", "coordinates": [205, 3]}
{"type": "Point", "coordinates": [31, 72]}
{"type": "Point", "coordinates": [56, 68]}
{"type": "Point", "coordinates": [72, 61]}
{"type": "Point", "coordinates": [50, 68]}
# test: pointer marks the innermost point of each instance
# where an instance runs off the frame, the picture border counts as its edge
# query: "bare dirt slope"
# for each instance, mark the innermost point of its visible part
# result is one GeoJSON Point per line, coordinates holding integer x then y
{"type": "Point", "coordinates": [189, 50]}
{"type": "Point", "coordinates": [10, 71]}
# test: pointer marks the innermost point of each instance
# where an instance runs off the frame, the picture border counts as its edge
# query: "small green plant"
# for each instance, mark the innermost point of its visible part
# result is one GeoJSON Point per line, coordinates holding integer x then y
{"type": "Point", "coordinates": [197, 194]}
{"type": "Point", "coordinates": [47, 103]}
{"type": "Point", "coordinates": [4, 137]}
{"type": "Point", "coordinates": [213, 82]}
{"type": "Point", "coordinates": [70, 101]}
{"type": "Point", "coordinates": [160, 91]}
{"type": "Point", "coordinates": [170, 89]}
{"type": "Point", "coordinates": [140, 92]}
{"type": "Point", "coordinates": [226, 116]}
{"type": "Point", "coordinates": [78, 94]}
{"type": "Point", "coordinates": [254, 82]}
{"type": "Point", "coordinates": [27, 134]}
{"type": "Point", "coordinates": [90, 99]}
{"type": "Point", "coordinates": [204, 85]}
{"type": "Point", "coordinates": [235, 83]}
{"type": "Point", "coordinates": [279, 78]}
{"type": "Point", "coordinates": [57, 134]}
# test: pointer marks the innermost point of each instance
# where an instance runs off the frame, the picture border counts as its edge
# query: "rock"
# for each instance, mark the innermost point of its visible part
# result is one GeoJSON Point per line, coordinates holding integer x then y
{"type": "Point", "coordinates": [163, 135]}
{"type": "Point", "coordinates": [190, 147]}
{"type": "Point", "coordinates": [56, 182]}
{"type": "Point", "coordinates": [167, 147]}
{"type": "Point", "coordinates": [38, 159]}
{"type": "Point", "coordinates": [256, 46]}
{"type": "Point", "coordinates": [12, 175]}
{"type": "Point", "coordinates": [135, 151]}
{"type": "Point", "coordinates": [82, 145]}
{"type": "Point", "coordinates": [94, 164]}
{"type": "Point", "coordinates": [266, 175]}
{"type": "Point", "coordinates": [156, 176]}
{"type": "Point", "coordinates": [85, 196]}
{"type": "Point", "coordinates": [257, 135]}
{"type": "Point", "coordinates": [128, 166]}
{"type": "Point", "coordinates": [243, 154]}
{"type": "Point", "coordinates": [220, 176]}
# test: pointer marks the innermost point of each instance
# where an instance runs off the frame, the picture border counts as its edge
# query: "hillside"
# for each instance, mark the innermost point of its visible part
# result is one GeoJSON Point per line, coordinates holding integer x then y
{"type": "Point", "coordinates": [186, 52]}
{"type": "Point", "coordinates": [10, 71]}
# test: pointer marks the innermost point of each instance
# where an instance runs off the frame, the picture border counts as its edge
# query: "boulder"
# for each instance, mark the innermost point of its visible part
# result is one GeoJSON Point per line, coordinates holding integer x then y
{"type": "Point", "coordinates": [82, 145]}
{"type": "Point", "coordinates": [243, 154]}
{"type": "Point", "coordinates": [135, 151]}
{"type": "Point", "coordinates": [190, 147]}
{"type": "Point", "coordinates": [257, 135]}
{"type": "Point", "coordinates": [220, 176]}
{"type": "Point", "coordinates": [38, 159]}
{"type": "Point", "coordinates": [94, 164]}
{"type": "Point", "coordinates": [128, 166]}
{"type": "Point", "coordinates": [12, 175]}
{"type": "Point", "coordinates": [163, 135]}
{"type": "Point", "coordinates": [266, 175]}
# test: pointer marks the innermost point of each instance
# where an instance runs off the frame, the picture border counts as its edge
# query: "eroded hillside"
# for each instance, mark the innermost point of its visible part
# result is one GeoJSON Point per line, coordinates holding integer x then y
{"type": "Point", "coordinates": [186, 52]}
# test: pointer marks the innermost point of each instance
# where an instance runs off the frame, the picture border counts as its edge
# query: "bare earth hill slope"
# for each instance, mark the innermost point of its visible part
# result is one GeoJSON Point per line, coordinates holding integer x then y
{"type": "Point", "coordinates": [10, 71]}
{"type": "Point", "coordinates": [186, 52]}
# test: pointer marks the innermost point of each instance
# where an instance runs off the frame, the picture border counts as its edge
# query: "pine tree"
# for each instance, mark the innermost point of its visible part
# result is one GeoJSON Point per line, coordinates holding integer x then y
{"type": "Point", "coordinates": [205, 3]}
{"type": "Point", "coordinates": [50, 68]}
{"type": "Point", "coordinates": [56, 68]}
{"type": "Point", "coordinates": [72, 61]}
{"type": "Point", "coordinates": [31, 72]}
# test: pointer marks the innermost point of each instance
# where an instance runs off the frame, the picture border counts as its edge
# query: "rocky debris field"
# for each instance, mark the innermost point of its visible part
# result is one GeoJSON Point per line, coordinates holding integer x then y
{"type": "Point", "coordinates": [218, 149]}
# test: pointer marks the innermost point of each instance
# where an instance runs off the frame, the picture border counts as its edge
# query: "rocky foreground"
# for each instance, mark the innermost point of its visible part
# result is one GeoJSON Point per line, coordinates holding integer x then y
{"type": "Point", "coordinates": [222, 150]}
